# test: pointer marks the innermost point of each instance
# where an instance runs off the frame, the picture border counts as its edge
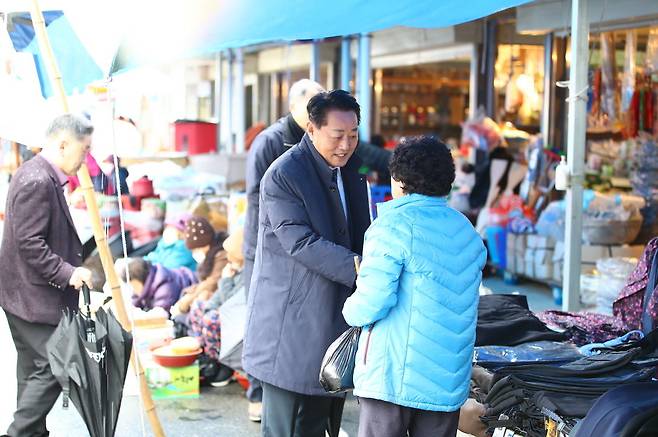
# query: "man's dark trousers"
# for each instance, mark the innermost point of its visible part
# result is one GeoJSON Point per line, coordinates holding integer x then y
{"type": "Point", "coordinates": [289, 414]}
{"type": "Point", "coordinates": [38, 389]}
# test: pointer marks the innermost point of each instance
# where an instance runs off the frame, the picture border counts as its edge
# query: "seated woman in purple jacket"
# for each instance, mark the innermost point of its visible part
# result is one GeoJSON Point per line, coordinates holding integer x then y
{"type": "Point", "coordinates": [155, 286]}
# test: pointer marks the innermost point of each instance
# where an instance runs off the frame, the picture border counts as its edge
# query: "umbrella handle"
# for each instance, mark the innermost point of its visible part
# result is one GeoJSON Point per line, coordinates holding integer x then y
{"type": "Point", "coordinates": [86, 294]}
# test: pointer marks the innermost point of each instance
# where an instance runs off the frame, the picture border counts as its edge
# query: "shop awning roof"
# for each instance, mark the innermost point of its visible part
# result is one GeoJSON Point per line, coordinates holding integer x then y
{"type": "Point", "coordinates": [152, 32]}
{"type": "Point", "coordinates": [206, 26]}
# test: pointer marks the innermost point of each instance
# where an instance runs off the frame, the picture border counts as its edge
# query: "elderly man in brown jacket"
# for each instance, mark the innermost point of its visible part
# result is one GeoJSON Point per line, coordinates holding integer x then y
{"type": "Point", "coordinates": [39, 265]}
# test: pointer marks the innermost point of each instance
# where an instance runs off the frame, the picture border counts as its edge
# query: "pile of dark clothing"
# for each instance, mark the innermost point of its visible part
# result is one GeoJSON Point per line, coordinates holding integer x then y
{"type": "Point", "coordinates": [530, 373]}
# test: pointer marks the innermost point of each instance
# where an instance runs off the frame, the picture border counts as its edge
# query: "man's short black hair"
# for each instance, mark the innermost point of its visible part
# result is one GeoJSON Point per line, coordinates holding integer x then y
{"type": "Point", "coordinates": [423, 165]}
{"type": "Point", "coordinates": [138, 269]}
{"type": "Point", "coordinates": [337, 100]}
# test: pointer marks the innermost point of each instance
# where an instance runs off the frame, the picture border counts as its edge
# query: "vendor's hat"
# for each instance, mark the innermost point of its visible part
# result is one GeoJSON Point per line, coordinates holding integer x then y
{"type": "Point", "coordinates": [178, 221]}
{"type": "Point", "coordinates": [198, 233]}
{"type": "Point", "coordinates": [233, 244]}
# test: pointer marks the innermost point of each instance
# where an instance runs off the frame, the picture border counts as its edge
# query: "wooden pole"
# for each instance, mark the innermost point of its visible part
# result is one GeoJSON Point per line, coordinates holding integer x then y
{"type": "Point", "coordinates": [94, 215]}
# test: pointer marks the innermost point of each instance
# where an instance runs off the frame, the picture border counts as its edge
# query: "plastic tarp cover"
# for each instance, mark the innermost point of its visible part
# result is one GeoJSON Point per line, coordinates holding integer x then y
{"type": "Point", "coordinates": [537, 351]}
{"type": "Point", "coordinates": [184, 29]}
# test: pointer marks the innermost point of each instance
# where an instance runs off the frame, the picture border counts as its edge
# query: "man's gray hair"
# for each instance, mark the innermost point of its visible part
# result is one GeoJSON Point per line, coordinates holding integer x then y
{"type": "Point", "coordinates": [301, 88]}
{"type": "Point", "coordinates": [77, 125]}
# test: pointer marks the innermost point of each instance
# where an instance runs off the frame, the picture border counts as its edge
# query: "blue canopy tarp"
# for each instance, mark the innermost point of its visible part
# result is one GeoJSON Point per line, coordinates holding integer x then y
{"type": "Point", "coordinates": [201, 27]}
{"type": "Point", "coordinates": [76, 65]}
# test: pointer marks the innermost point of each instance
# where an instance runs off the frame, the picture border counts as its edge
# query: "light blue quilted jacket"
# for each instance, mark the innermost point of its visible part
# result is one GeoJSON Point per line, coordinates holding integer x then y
{"type": "Point", "coordinates": [419, 280]}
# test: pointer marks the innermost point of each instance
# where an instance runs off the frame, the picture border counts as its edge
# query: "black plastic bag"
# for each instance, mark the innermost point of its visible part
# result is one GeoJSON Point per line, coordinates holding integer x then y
{"type": "Point", "coordinates": [208, 369]}
{"type": "Point", "coordinates": [337, 367]}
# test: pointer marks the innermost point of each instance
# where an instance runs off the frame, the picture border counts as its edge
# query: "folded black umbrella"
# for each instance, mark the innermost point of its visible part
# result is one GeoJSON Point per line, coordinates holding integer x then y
{"type": "Point", "coordinates": [90, 359]}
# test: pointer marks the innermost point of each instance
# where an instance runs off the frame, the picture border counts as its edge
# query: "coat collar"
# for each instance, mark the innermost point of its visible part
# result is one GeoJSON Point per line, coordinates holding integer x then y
{"type": "Point", "coordinates": [56, 175]}
{"type": "Point", "coordinates": [45, 165]}
{"type": "Point", "coordinates": [386, 207]}
{"type": "Point", "coordinates": [59, 174]}
{"type": "Point", "coordinates": [292, 132]}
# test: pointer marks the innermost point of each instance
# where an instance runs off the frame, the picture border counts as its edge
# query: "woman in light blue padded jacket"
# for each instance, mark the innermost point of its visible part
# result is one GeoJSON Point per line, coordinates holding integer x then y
{"type": "Point", "coordinates": [416, 297]}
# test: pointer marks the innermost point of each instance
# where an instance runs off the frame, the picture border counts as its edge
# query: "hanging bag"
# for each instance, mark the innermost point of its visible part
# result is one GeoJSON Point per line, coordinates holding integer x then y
{"type": "Point", "coordinates": [337, 369]}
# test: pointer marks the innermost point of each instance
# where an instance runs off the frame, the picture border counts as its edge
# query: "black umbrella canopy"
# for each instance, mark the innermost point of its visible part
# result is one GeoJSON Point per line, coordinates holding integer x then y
{"type": "Point", "coordinates": [92, 373]}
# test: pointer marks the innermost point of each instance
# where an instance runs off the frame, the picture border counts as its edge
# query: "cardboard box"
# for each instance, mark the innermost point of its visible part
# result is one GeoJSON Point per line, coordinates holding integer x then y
{"type": "Point", "coordinates": [543, 256]}
{"type": "Point", "coordinates": [529, 269]}
{"type": "Point", "coordinates": [557, 272]}
{"type": "Point", "coordinates": [543, 264]}
{"type": "Point", "coordinates": [510, 262]}
{"type": "Point", "coordinates": [591, 254]}
{"type": "Point", "coordinates": [540, 242]}
{"type": "Point", "coordinates": [172, 382]}
{"type": "Point", "coordinates": [543, 271]}
{"type": "Point", "coordinates": [529, 263]}
{"type": "Point", "coordinates": [520, 243]}
{"type": "Point", "coordinates": [627, 251]}
{"type": "Point", "coordinates": [558, 252]}
{"type": "Point", "coordinates": [510, 242]}
{"type": "Point", "coordinates": [519, 264]}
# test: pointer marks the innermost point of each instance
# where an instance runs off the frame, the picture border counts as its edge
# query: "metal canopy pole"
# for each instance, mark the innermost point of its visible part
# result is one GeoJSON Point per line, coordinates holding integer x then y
{"type": "Point", "coordinates": [576, 130]}
{"type": "Point", "coordinates": [363, 84]}
{"type": "Point", "coordinates": [228, 113]}
{"type": "Point", "coordinates": [218, 97]}
{"type": "Point", "coordinates": [549, 94]}
{"type": "Point", "coordinates": [314, 70]}
{"type": "Point", "coordinates": [345, 63]}
{"type": "Point", "coordinates": [239, 101]}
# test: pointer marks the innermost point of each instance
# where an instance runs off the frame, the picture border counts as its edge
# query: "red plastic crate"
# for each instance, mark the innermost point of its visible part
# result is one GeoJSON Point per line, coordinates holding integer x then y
{"type": "Point", "coordinates": [195, 137]}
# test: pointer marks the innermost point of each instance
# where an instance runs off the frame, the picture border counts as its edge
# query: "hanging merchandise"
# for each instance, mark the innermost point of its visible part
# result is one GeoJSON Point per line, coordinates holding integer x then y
{"type": "Point", "coordinates": [608, 78]}
{"type": "Point", "coordinates": [651, 58]}
{"type": "Point", "coordinates": [628, 80]}
{"type": "Point", "coordinates": [645, 184]}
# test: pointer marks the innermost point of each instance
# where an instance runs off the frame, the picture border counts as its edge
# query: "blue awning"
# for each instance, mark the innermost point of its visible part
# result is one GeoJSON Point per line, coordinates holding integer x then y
{"type": "Point", "coordinates": [203, 26]}
{"type": "Point", "coordinates": [75, 63]}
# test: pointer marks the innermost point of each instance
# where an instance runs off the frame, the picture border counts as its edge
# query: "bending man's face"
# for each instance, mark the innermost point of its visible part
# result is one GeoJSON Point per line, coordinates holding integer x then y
{"type": "Point", "coordinates": [338, 138]}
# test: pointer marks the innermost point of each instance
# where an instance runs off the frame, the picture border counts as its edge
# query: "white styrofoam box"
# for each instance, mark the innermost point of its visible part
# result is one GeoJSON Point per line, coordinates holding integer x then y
{"type": "Point", "coordinates": [540, 242]}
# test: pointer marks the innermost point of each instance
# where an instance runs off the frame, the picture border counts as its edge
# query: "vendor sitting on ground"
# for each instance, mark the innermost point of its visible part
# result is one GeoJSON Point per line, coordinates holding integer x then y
{"type": "Point", "coordinates": [171, 251]}
{"type": "Point", "coordinates": [155, 286]}
{"type": "Point", "coordinates": [204, 318]}
{"type": "Point", "coordinates": [206, 247]}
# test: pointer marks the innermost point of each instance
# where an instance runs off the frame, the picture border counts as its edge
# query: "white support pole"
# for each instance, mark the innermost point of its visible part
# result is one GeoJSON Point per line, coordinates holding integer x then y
{"type": "Point", "coordinates": [576, 125]}
{"type": "Point", "coordinates": [228, 113]}
{"type": "Point", "coordinates": [239, 102]}
{"type": "Point", "coordinates": [363, 85]}
{"type": "Point", "coordinates": [473, 82]}
{"type": "Point", "coordinates": [314, 70]}
{"type": "Point", "coordinates": [549, 82]}
{"type": "Point", "coordinates": [345, 63]}
{"type": "Point", "coordinates": [218, 97]}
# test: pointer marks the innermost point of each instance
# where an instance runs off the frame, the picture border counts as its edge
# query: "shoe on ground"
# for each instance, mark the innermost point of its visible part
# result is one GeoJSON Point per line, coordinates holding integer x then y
{"type": "Point", "coordinates": [223, 378]}
{"type": "Point", "coordinates": [255, 411]}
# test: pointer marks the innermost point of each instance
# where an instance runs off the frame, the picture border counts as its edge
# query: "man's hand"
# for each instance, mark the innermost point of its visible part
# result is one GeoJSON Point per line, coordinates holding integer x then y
{"type": "Point", "coordinates": [80, 275]}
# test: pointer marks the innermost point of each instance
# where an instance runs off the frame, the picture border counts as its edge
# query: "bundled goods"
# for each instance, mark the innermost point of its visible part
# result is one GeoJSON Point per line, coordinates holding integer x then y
{"type": "Point", "coordinates": [645, 184]}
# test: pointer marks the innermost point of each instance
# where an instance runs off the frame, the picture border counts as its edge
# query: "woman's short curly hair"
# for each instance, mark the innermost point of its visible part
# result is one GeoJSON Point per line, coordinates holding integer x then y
{"type": "Point", "coordinates": [423, 165]}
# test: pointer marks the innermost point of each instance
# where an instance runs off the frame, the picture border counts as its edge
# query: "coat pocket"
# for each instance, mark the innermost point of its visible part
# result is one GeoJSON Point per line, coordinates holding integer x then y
{"type": "Point", "coordinates": [365, 353]}
{"type": "Point", "coordinates": [299, 288]}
